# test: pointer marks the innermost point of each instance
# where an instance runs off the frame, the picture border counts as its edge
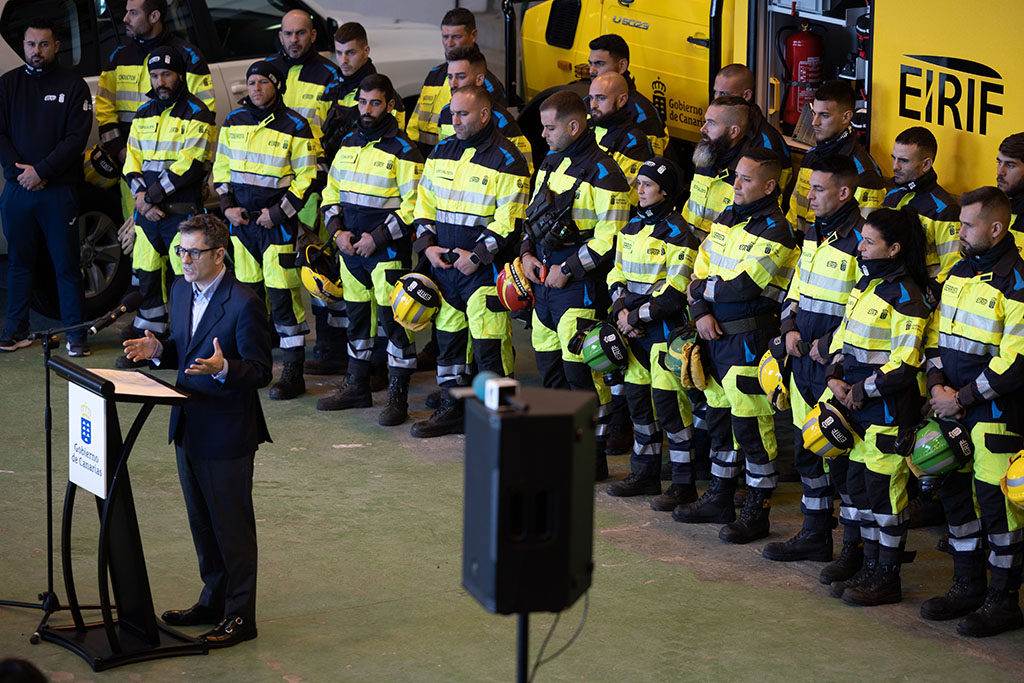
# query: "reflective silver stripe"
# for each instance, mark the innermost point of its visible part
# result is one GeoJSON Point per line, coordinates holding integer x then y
{"type": "Point", "coordinates": [866, 357]}
{"type": "Point", "coordinates": [645, 312]}
{"type": "Point", "coordinates": [445, 194]}
{"type": "Point", "coordinates": [360, 349]}
{"type": "Point", "coordinates": [653, 448]}
{"type": "Point", "coordinates": [393, 226]}
{"type": "Point", "coordinates": [768, 482]}
{"type": "Point", "coordinates": [136, 185]}
{"type": "Point", "coordinates": [816, 503]}
{"type": "Point", "coordinates": [154, 327]}
{"type": "Point", "coordinates": [586, 260]}
{"type": "Point", "coordinates": [774, 293]}
{"type": "Point", "coordinates": [869, 533]}
{"type": "Point", "coordinates": [867, 331]}
{"type": "Point", "coordinates": [965, 545]}
{"type": "Point", "coordinates": [678, 456]}
{"type": "Point", "coordinates": [871, 386]}
{"type": "Point", "coordinates": [933, 363]}
{"type": "Point", "coordinates": [847, 500]}
{"type": "Point", "coordinates": [725, 472]}
{"type": "Point", "coordinates": [962, 530]}
{"type": "Point", "coordinates": [723, 262]}
{"type": "Point", "coordinates": [490, 244]}
{"type": "Point", "coordinates": [827, 283]}
{"type": "Point", "coordinates": [173, 146]}
{"type": "Point", "coordinates": [103, 93]}
{"type": "Point", "coordinates": [425, 229]}
{"type": "Point", "coordinates": [464, 220]}
{"type": "Point", "coordinates": [889, 540]}
{"type": "Point", "coordinates": [287, 208]}
{"type": "Point", "coordinates": [151, 313]}
{"type": "Point", "coordinates": [293, 342]}
{"type": "Point", "coordinates": [815, 482]}
{"type": "Point", "coordinates": [709, 288]}
{"type": "Point", "coordinates": [810, 305]}
{"type": "Point", "coordinates": [291, 330]}
{"type": "Point", "coordinates": [256, 180]}
{"type": "Point", "coordinates": [908, 341]}
{"type": "Point", "coordinates": [451, 373]}
{"type": "Point", "coordinates": [618, 389]}
{"type": "Point", "coordinates": [370, 201]}
{"type": "Point", "coordinates": [848, 513]}
{"type": "Point", "coordinates": [887, 520]}
{"type": "Point", "coordinates": [260, 159]}
{"type": "Point", "coordinates": [645, 429]}
{"type": "Point", "coordinates": [167, 183]}
{"type": "Point", "coordinates": [639, 287]}
{"type": "Point", "coordinates": [766, 468]}
{"type": "Point", "coordinates": [426, 137]}
{"type": "Point", "coordinates": [700, 423]}
{"type": "Point", "coordinates": [682, 436]}
{"type": "Point", "coordinates": [399, 362]}
{"type": "Point", "coordinates": [222, 188]}
{"type": "Point", "coordinates": [975, 320]}
{"type": "Point", "coordinates": [399, 352]}
{"type": "Point", "coordinates": [964, 345]}
{"type": "Point", "coordinates": [331, 211]}
{"type": "Point", "coordinates": [985, 387]}
{"type": "Point", "coordinates": [109, 135]}
{"type": "Point", "coordinates": [866, 515]}
{"type": "Point", "coordinates": [1006, 539]}
{"type": "Point", "coordinates": [635, 269]}
{"type": "Point", "coordinates": [156, 165]}
{"type": "Point", "coordinates": [125, 116]}
{"type": "Point", "coordinates": [1003, 561]}
{"type": "Point", "coordinates": [726, 456]}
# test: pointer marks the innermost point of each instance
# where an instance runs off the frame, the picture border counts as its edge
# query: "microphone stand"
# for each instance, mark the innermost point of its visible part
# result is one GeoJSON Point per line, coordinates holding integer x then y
{"type": "Point", "coordinates": [49, 603]}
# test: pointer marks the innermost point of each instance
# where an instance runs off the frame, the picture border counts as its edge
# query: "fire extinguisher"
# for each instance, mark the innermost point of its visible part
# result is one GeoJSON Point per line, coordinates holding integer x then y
{"type": "Point", "coordinates": [805, 61]}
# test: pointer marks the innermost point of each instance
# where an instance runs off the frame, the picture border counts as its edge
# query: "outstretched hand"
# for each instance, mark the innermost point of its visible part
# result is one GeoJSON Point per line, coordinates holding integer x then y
{"type": "Point", "coordinates": [141, 348]}
{"type": "Point", "coordinates": [208, 366]}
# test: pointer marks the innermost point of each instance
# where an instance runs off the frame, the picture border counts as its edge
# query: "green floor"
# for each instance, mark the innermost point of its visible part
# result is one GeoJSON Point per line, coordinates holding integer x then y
{"type": "Point", "coordinates": [360, 560]}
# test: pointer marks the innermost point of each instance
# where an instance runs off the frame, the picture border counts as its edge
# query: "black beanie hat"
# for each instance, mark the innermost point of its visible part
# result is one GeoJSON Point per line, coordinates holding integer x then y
{"type": "Point", "coordinates": [268, 70]}
{"type": "Point", "coordinates": [165, 57]}
{"type": "Point", "coordinates": [665, 173]}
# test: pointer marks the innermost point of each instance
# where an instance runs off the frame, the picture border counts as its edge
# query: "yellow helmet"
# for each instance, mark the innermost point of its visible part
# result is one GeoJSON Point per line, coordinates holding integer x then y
{"type": "Point", "coordinates": [415, 300]}
{"type": "Point", "coordinates": [1012, 482]}
{"type": "Point", "coordinates": [826, 431]}
{"type": "Point", "coordinates": [769, 376]}
{"type": "Point", "coordinates": [320, 272]}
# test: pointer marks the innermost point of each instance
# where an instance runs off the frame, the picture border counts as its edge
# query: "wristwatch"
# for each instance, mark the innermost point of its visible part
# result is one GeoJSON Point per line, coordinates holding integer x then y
{"type": "Point", "coordinates": [474, 259]}
{"type": "Point", "coordinates": [565, 271]}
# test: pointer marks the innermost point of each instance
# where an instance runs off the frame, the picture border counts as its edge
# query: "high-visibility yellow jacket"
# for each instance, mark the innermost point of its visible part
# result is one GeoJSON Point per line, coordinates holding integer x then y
{"type": "Point", "coordinates": [472, 195]}
{"type": "Point", "coordinates": [939, 214]}
{"type": "Point", "coordinates": [505, 122]}
{"type": "Point", "coordinates": [870, 192]}
{"type": "Point", "coordinates": [422, 125]}
{"type": "Point", "coordinates": [879, 347]}
{"type": "Point", "coordinates": [654, 257]}
{"type": "Point", "coordinates": [306, 79]}
{"type": "Point", "coordinates": [745, 265]}
{"type": "Point", "coordinates": [622, 140]}
{"type": "Point", "coordinates": [825, 275]}
{"type": "Point", "coordinates": [599, 210]}
{"type": "Point", "coordinates": [711, 190]}
{"type": "Point", "coordinates": [170, 146]}
{"type": "Point", "coordinates": [977, 345]}
{"type": "Point", "coordinates": [266, 158]}
{"type": "Point", "coordinates": [124, 84]}
{"type": "Point", "coordinates": [372, 185]}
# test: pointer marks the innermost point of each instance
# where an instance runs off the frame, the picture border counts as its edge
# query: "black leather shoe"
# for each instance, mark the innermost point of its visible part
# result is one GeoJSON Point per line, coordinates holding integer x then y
{"type": "Point", "coordinates": [193, 616]}
{"type": "Point", "coordinates": [230, 631]}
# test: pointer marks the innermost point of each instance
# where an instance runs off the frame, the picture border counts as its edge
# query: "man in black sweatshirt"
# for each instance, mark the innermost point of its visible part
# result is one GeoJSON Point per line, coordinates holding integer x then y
{"type": "Point", "coordinates": [45, 118]}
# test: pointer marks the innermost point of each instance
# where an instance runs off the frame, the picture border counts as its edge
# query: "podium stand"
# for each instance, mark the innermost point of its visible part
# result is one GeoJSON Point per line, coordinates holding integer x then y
{"type": "Point", "coordinates": [134, 635]}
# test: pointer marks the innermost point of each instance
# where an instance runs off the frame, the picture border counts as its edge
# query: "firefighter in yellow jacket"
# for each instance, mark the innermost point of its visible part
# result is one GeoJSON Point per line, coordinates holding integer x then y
{"type": "Point", "coordinates": [813, 310]}
{"type": "Point", "coordinates": [743, 272]}
{"type": "Point", "coordinates": [169, 150]}
{"type": "Point", "coordinates": [917, 186]}
{"type": "Point", "coordinates": [615, 128]}
{"type": "Point", "coordinates": [975, 376]}
{"type": "Point", "coordinates": [580, 203]}
{"type": "Point", "coordinates": [470, 203]}
{"type": "Point", "coordinates": [265, 165]}
{"type": "Point", "coordinates": [124, 78]}
{"type": "Point", "coordinates": [369, 206]}
{"type": "Point", "coordinates": [833, 110]}
{"type": "Point", "coordinates": [654, 257]}
{"type": "Point", "coordinates": [878, 354]}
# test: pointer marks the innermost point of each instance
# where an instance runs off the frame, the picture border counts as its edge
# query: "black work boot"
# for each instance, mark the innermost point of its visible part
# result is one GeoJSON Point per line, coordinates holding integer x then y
{"type": "Point", "coordinates": [620, 431]}
{"type": "Point", "coordinates": [291, 383]}
{"type": "Point", "coordinates": [864, 574]}
{"type": "Point", "coordinates": [849, 562]}
{"type": "Point", "coordinates": [434, 399]}
{"type": "Point", "coordinates": [379, 378]}
{"type": "Point", "coordinates": [752, 522]}
{"type": "Point", "coordinates": [926, 510]}
{"type": "Point", "coordinates": [674, 496]}
{"type": "Point", "coordinates": [635, 485]}
{"type": "Point", "coordinates": [396, 410]}
{"type": "Point", "coordinates": [330, 353]}
{"type": "Point", "coordinates": [812, 542]}
{"type": "Point", "coordinates": [1000, 612]}
{"type": "Point", "coordinates": [353, 394]}
{"type": "Point", "coordinates": [965, 595]}
{"type": "Point", "coordinates": [449, 418]}
{"type": "Point", "coordinates": [883, 588]}
{"type": "Point", "coordinates": [715, 505]}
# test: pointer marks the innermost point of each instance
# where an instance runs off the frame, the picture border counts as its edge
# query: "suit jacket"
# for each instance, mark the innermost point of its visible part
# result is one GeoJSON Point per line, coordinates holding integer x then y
{"type": "Point", "coordinates": [220, 420]}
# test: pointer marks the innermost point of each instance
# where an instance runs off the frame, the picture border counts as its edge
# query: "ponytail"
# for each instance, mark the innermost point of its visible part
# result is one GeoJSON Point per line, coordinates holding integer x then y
{"type": "Point", "coordinates": [903, 227]}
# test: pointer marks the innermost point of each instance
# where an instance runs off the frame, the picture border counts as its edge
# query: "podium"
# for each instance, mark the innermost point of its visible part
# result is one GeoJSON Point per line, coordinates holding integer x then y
{"type": "Point", "coordinates": [134, 634]}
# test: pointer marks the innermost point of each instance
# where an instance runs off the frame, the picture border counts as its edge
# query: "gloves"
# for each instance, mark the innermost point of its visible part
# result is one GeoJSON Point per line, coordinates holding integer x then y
{"type": "Point", "coordinates": [126, 236]}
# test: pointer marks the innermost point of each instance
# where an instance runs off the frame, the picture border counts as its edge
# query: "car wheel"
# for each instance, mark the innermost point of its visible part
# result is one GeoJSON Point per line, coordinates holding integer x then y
{"type": "Point", "coordinates": [106, 271]}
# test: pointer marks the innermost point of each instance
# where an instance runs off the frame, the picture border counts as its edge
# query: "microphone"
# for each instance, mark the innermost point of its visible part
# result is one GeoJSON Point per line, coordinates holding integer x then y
{"type": "Point", "coordinates": [495, 391]}
{"type": "Point", "coordinates": [131, 302]}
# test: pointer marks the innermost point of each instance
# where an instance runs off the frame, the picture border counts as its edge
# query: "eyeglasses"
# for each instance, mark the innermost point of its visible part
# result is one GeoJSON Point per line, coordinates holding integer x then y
{"type": "Point", "coordinates": [193, 254]}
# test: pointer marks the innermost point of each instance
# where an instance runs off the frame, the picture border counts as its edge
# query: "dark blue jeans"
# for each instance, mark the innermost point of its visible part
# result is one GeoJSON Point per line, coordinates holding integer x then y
{"type": "Point", "coordinates": [32, 218]}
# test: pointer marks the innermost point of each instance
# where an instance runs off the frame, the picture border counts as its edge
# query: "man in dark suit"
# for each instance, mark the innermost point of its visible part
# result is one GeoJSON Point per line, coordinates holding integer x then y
{"type": "Point", "coordinates": [220, 343]}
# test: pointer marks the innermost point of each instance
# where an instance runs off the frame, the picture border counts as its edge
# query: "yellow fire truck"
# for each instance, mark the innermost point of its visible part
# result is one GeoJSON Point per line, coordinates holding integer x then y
{"type": "Point", "coordinates": [914, 62]}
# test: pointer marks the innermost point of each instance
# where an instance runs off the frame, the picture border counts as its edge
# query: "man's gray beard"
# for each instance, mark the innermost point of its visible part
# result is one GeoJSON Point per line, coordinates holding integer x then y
{"type": "Point", "coordinates": [706, 154]}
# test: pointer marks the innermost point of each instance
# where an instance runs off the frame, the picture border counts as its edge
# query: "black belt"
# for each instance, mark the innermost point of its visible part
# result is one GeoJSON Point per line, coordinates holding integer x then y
{"type": "Point", "coordinates": [743, 325]}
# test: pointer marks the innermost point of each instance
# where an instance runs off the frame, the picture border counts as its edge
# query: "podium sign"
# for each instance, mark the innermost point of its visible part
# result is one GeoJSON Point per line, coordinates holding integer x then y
{"type": "Point", "coordinates": [87, 437]}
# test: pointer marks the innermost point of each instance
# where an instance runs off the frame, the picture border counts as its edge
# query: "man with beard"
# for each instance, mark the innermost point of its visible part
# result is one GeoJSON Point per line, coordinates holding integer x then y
{"type": "Point", "coordinates": [917, 186]}
{"type": "Point", "coordinates": [833, 108]}
{"type": "Point", "coordinates": [738, 80]}
{"type": "Point", "coordinates": [1010, 179]}
{"type": "Point", "coordinates": [45, 118]}
{"type": "Point", "coordinates": [567, 264]}
{"type": "Point", "coordinates": [468, 66]}
{"type": "Point", "coordinates": [352, 53]}
{"type": "Point", "coordinates": [610, 54]}
{"type": "Point", "coordinates": [470, 203]}
{"type": "Point", "coordinates": [458, 29]}
{"type": "Point", "coordinates": [124, 80]}
{"type": "Point", "coordinates": [615, 129]}
{"type": "Point", "coordinates": [723, 138]}
{"type": "Point", "coordinates": [369, 203]}
{"type": "Point", "coordinates": [975, 376]}
{"type": "Point", "coordinates": [307, 77]}
{"type": "Point", "coordinates": [265, 166]}
{"type": "Point", "coordinates": [170, 145]}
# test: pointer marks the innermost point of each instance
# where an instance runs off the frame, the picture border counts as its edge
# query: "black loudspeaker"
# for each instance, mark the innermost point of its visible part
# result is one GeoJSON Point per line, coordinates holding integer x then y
{"type": "Point", "coordinates": [529, 501]}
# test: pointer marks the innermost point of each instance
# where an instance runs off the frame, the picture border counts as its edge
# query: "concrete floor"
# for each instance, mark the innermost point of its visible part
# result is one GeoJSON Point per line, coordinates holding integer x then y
{"type": "Point", "coordinates": [360, 561]}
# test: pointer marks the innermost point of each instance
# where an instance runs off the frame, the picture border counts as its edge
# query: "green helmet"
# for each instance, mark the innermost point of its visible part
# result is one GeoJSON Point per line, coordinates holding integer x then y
{"type": "Point", "coordinates": [604, 349]}
{"type": "Point", "coordinates": [676, 359]}
{"type": "Point", "coordinates": [934, 452]}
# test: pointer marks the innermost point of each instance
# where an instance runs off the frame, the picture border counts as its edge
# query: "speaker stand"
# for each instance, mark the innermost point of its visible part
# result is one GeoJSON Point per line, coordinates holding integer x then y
{"type": "Point", "coordinates": [523, 647]}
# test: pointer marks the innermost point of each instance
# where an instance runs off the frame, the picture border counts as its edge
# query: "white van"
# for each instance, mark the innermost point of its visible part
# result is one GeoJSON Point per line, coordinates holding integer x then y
{"type": "Point", "coordinates": [231, 34]}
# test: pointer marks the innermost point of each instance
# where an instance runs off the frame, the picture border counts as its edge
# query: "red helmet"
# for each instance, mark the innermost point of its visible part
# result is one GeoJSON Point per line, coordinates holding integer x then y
{"type": "Point", "coordinates": [514, 290]}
